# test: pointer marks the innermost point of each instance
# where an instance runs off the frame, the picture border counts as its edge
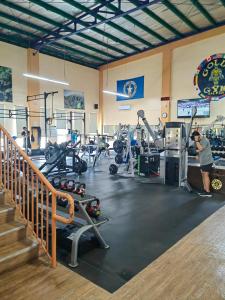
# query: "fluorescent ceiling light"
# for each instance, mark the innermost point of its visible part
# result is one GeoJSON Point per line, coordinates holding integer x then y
{"type": "Point", "coordinates": [45, 79]}
{"type": "Point", "coordinates": [117, 94]}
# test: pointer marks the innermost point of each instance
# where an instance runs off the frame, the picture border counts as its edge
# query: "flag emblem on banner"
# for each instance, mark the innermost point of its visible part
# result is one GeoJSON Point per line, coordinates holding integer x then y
{"type": "Point", "coordinates": [133, 87]}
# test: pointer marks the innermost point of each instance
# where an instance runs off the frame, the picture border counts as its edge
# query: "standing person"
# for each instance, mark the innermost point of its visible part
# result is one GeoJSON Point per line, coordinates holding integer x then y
{"type": "Point", "coordinates": [26, 138]}
{"type": "Point", "coordinates": [204, 152]}
{"type": "Point", "coordinates": [74, 136]}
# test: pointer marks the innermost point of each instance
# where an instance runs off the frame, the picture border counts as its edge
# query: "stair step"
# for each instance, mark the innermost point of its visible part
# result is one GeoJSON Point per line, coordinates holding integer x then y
{"type": "Point", "coordinates": [7, 213]}
{"type": "Point", "coordinates": [4, 197]}
{"type": "Point", "coordinates": [17, 253]}
{"type": "Point", "coordinates": [11, 232]}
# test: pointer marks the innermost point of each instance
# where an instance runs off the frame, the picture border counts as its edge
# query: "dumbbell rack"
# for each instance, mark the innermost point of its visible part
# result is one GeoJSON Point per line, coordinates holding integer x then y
{"type": "Point", "coordinates": [83, 224]}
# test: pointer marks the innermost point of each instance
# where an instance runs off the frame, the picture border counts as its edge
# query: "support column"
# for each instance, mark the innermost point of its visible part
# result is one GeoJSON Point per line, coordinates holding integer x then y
{"type": "Point", "coordinates": [33, 85]}
{"type": "Point", "coordinates": [100, 105]}
{"type": "Point", "coordinates": [166, 85]}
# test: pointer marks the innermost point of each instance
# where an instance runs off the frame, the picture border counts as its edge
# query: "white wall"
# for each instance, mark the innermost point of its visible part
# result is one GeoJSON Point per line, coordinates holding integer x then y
{"type": "Point", "coordinates": [151, 68]}
{"type": "Point", "coordinates": [15, 58]}
{"type": "Point", "coordinates": [81, 79]}
{"type": "Point", "coordinates": [184, 63]}
{"type": "Point", "coordinates": [186, 59]}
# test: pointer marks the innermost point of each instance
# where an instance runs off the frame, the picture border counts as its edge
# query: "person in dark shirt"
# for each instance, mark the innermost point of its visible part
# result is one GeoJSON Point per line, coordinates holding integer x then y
{"type": "Point", "coordinates": [26, 138]}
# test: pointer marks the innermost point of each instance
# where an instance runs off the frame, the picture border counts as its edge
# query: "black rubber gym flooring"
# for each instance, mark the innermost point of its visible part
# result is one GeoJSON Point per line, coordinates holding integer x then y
{"type": "Point", "coordinates": [145, 220]}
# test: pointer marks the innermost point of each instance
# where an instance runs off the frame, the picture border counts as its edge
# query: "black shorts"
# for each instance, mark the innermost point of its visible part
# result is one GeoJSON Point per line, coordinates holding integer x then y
{"type": "Point", "coordinates": [206, 168]}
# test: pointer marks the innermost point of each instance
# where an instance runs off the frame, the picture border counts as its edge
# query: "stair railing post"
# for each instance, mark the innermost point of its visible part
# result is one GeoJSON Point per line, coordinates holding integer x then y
{"type": "Point", "coordinates": [1, 159]}
{"type": "Point", "coordinates": [53, 230]}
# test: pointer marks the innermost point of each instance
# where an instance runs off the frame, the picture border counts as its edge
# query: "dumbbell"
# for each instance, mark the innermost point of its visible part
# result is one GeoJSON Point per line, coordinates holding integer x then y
{"type": "Point", "coordinates": [70, 185]}
{"type": "Point", "coordinates": [80, 189]}
{"type": "Point", "coordinates": [93, 208]}
{"type": "Point", "coordinates": [63, 184]}
{"type": "Point", "coordinates": [56, 182]}
{"type": "Point", "coordinates": [62, 202]}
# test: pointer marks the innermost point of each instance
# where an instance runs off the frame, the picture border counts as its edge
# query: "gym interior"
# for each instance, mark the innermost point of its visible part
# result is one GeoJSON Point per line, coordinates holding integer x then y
{"type": "Point", "coordinates": [112, 143]}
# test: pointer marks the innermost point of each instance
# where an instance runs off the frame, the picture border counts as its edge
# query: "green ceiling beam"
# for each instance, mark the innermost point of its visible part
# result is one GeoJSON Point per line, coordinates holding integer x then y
{"type": "Point", "coordinates": [70, 17]}
{"type": "Point", "coordinates": [203, 11]}
{"type": "Point", "coordinates": [17, 30]}
{"type": "Point", "coordinates": [113, 25]}
{"type": "Point", "coordinates": [13, 40]}
{"type": "Point", "coordinates": [53, 9]}
{"type": "Point", "coordinates": [136, 23]}
{"type": "Point", "coordinates": [44, 30]}
{"type": "Point", "coordinates": [180, 15]}
{"type": "Point", "coordinates": [23, 22]}
{"type": "Point", "coordinates": [33, 36]}
{"type": "Point", "coordinates": [79, 52]}
{"type": "Point", "coordinates": [17, 42]}
{"type": "Point", "coordinates": [155, 17]}
{"type": "Point", "coordinates": [57, 24]}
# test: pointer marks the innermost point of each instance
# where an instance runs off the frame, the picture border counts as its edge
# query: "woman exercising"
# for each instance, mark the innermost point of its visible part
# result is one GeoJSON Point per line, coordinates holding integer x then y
{"type": "Point", "coordinates": [204, 152]}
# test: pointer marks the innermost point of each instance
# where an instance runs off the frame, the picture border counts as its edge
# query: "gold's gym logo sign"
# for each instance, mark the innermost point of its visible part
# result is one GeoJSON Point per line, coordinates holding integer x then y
{"type": "Point", "coordinates": [210, 77]}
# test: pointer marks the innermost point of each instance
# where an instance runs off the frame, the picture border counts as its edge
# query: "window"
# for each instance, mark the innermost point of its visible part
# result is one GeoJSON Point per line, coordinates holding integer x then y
{"type": "Point", "coordinates": [61, 124]}
{"type": "Point", "coordinates": [93, 123]}
{"type": "Point", "coordinates": [20, 119]}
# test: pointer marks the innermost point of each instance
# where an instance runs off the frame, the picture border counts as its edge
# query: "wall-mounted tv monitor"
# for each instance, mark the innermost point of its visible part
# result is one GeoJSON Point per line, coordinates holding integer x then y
{"type": "Point", "coordinates": [184, 108]}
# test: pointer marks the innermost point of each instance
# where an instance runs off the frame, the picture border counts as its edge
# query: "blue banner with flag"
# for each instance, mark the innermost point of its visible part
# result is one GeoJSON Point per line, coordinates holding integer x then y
{"type": "Point", "coordinates": [133, 87]}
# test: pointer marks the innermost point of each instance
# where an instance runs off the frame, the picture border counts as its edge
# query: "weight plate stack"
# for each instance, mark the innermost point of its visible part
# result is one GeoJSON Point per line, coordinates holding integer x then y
{"type": "Point", "coordinates": [113, 169]}
{"type": "Point", "coordinates": [118, 146]}
{"type": "Point", "coordinates": [119, 159]}
{"type": "Point", "coordinates": [77, 167]}
{"type": "Point", "coordinates": [83, 166]}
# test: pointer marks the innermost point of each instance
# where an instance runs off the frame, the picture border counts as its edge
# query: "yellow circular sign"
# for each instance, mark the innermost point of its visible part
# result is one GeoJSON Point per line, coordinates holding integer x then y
{"type": "Point", "coordinates": [216, 184]}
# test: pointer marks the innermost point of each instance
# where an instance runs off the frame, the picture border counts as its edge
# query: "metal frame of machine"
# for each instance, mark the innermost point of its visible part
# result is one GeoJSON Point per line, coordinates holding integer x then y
{"type": "Point", "coordinates": [175, 143]}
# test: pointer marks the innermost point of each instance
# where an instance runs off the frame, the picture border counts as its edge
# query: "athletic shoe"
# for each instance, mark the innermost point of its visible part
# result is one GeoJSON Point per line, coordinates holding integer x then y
{"type": "Point", "coordinates": [199, 192]}
{"type": "Point", "coordinates": [205, 194]}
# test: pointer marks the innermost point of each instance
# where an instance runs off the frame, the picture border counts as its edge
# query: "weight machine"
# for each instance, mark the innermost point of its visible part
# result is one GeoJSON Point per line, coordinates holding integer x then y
{"type": "Point", "coordinates": [71, 117]}
{"type": "Point", "coordinates": [123, 147]}
{"type": "Point", "coordinates": [96, 146]}
{"type": "Point", "coordinates": [174, 143]}
{"type": "Point", "coordinates": [56, 160]}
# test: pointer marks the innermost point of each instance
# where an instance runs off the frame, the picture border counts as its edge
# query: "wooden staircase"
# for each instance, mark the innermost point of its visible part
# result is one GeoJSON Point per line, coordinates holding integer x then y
{"type": "Point", "coordinates": [16, 245]}
{"type": "Point", "coordinates": [28, 213]}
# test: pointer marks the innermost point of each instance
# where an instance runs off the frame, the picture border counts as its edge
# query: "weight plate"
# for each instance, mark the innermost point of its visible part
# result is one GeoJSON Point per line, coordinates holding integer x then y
{"type": "Point", "coordinates": [77, 167]}
{"type": "Point", "coordinates": [118, 146]}
{"type": "Point", "coordinates": [70, 185]}
{"type": "Point", "coordinates": [113, 169]}
{"type": "Point", "coordinates": [119, 159]}
{"type": "Point", "coordinates": [216, 184]}
{"type": "Point", "coordinates": [83, 166]}
{"type": "Point", "coordinates": [56, 182]}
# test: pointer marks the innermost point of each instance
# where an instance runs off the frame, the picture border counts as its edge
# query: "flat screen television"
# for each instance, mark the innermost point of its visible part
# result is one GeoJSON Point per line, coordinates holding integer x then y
{"type": "Point", "coordinates": [184, 108]}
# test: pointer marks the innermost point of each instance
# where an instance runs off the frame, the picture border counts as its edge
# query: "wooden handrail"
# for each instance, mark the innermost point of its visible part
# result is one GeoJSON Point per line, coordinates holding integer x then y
{"type": "Point", "coordinates": [28, 193]}
{"type": "Point", "coordinates": [44, 180]}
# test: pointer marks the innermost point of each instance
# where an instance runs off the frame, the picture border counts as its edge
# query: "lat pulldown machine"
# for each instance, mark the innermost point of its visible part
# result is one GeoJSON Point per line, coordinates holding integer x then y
{"type": "Point", "coordinates": [175, 145]}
